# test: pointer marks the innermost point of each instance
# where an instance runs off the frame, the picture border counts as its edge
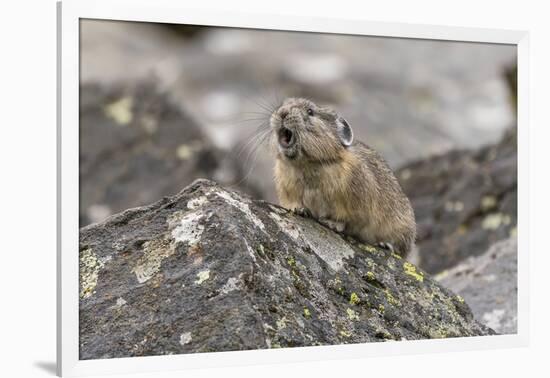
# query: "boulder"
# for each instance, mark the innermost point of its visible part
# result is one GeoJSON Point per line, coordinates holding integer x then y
{"type": "Point", "coordinates": [136, 146]}
{"type": "Point", "coordinates": [464, 201]}
{"type": "Point", "coordinates": [210, 269]}
{"type": "Point", "coordinates": [489, 285]}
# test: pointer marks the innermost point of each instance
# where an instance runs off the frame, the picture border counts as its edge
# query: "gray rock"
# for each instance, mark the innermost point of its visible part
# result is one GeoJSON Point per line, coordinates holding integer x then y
{"type": "Point", "coordinates": [137, 146]}
{"type": "Point", "coordinates": [464, 201]}
{"type": "Point", "coordinates": [489, 285]}
{"type": "Point", "coordinates": [210, 270]}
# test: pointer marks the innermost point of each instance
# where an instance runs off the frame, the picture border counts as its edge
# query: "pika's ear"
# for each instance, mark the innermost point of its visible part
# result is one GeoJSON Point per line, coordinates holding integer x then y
{"type": "Point", "coordinates": [345, 133]}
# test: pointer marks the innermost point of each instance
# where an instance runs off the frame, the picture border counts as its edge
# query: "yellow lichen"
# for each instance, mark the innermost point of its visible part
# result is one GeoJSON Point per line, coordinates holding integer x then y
{"type": "Point", "coordinates": [430, 295]}
{"type": "Point", "coordinates": [494, 220]}
{"type": "Point", "coordinates": [370, 276]}
{"type": "Point", "coordinates": [154, 251]}
{"type": "Point", "coordinates": [120, 111]}
{"type": "Point", "coordinates": [391, 299]}
{"type": "Point", "coordinates": [307, 313]}
{"type": "Point", "coordinates": [354, 299]}
{"type": "Point", "coordinates": [488, 202]}
{"type": "Point", "coordinates": [368, 248]}
{"type": "Point", "coordinates": [345, 333]}
{"type": "Point", "coordinates": [410, 269]}
{"type": "Point", "coordinates": [186, 151]}
{"type": "Point", "coordinates": [89, 266]}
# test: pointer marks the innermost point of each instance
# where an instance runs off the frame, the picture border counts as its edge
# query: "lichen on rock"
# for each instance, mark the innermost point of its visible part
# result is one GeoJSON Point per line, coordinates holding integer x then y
{"type": "Point", "coordinates": [154, 252]}
{"type": "Point", "coordinates": [89, 268]}
{"type": "Point", "coordinates": [210, 269]}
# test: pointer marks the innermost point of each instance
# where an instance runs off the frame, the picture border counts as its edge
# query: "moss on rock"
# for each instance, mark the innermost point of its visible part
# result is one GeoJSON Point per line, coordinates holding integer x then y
{"type": "Point", "coordinates": [237, 277]}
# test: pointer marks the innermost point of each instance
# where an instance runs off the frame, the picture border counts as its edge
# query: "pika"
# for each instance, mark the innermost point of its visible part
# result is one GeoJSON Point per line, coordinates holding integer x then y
{"type": "Point", "coordinates": [320, 171]}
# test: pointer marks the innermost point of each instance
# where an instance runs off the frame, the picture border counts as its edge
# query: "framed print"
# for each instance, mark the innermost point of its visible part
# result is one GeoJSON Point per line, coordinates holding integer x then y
{"type": "Point", "coordinates": [278, 189]}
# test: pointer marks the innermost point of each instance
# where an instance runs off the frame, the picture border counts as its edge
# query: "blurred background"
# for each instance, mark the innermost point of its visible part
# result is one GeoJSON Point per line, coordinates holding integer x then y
{"type": "Point", "coordinates": [162, 105]}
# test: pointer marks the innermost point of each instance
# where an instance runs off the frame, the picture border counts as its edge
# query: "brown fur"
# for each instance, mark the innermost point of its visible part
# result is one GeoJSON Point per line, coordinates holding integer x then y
{"type": "Point", "coordinates": [351, 185]}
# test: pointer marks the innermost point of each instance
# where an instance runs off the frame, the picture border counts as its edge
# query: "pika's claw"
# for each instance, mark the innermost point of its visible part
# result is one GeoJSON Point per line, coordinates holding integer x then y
{"type": "Point", "coordinates": [387, 246]}
{"type": "Point", "coordinates": [303, 212]}
{"type": "Point", "coordinates": [333, 225]}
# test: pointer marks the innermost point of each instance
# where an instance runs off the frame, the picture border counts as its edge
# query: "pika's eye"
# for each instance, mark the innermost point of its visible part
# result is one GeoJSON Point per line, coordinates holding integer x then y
{"type": "Point", "coordinates": [310, 112]}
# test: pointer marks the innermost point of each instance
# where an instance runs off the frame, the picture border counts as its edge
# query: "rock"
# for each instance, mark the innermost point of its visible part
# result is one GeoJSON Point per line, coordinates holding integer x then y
{"type": "Point", "coordinates": [185, 31]}
{"type": "Point", "coordinates": [511, 75]}
{"type": "Point", "coordinates": [315, 70]}
{"type": "Point", "coordinates": [464, 201]}
{"type": "Point", "coordinates": [488, 283]}
{"type": "Point", "coordinates": [209, 270]}
{"type": "Point", "coordinates": [136, 146]}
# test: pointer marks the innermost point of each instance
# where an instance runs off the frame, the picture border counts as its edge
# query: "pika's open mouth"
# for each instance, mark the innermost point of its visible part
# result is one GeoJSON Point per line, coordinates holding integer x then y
{"type": "Point", "coordinates": [286, 137]}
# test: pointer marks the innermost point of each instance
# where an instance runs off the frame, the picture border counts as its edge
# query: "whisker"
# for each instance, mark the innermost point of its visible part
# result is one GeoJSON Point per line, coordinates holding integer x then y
{"type": "Point", "coordinates": [265, 114]}
{"type": "Point", "coordinates": [250, 141]}
{"type": "Point", "coordinates": [254, 154]}
{"type": "Point", "coordinates": [250, 149]}
{"type": "Point", "coordinates": [268, 109]}
{"type": "Point", "coordinates": [257, 134]}
{"type": "Point", "coordinates": [252, 119]}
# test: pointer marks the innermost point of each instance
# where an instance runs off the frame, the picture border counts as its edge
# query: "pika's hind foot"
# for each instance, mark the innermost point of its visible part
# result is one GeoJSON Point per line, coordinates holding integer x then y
{"type": "Point", "coordinates": [386, 246]}
{"type": "Point", "coordinates": [303, 212]}
{"type": "Point", "coordinates": [333, 225]}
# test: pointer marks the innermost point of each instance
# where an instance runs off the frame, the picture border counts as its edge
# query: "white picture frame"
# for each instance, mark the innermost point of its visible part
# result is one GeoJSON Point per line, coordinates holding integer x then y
{"type": "Point", "coordinates": [174, 11]}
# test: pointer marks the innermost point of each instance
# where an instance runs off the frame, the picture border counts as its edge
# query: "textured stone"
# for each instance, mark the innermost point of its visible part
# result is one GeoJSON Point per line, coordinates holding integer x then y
{"type": "Point", "coordinates": [209, 269]}
{"type": "Point", "coordinates": [464, 201]}
{"type": "Point", "coordinates": [137, 146]}
{"type": "Point", "coordinates": [489, 285]}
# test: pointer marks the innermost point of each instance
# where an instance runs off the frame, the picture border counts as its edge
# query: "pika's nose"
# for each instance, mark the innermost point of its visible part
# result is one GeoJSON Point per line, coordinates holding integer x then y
{"type": "Point", "coordinates": [283, 113]}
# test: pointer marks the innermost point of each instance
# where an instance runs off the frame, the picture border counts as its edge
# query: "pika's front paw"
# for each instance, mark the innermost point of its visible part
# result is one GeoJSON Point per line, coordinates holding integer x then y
{"type": "Point", "coordinates": [386, 246]}
{"type": "Point", "coordinates": [303, 212]}
{"type": "Point", "coordinates": [333, 225]}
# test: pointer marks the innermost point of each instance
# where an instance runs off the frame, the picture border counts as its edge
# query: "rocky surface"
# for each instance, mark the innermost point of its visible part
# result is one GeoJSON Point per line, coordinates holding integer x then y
{"type": "Point", "coordinates": [137, 146]}
{"type": "Point", "coordinates": [489, 285]}
{"type": "Point", "coordinates": [464, 202]}
{"type": "Point", "coordinates": [212, 270]}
